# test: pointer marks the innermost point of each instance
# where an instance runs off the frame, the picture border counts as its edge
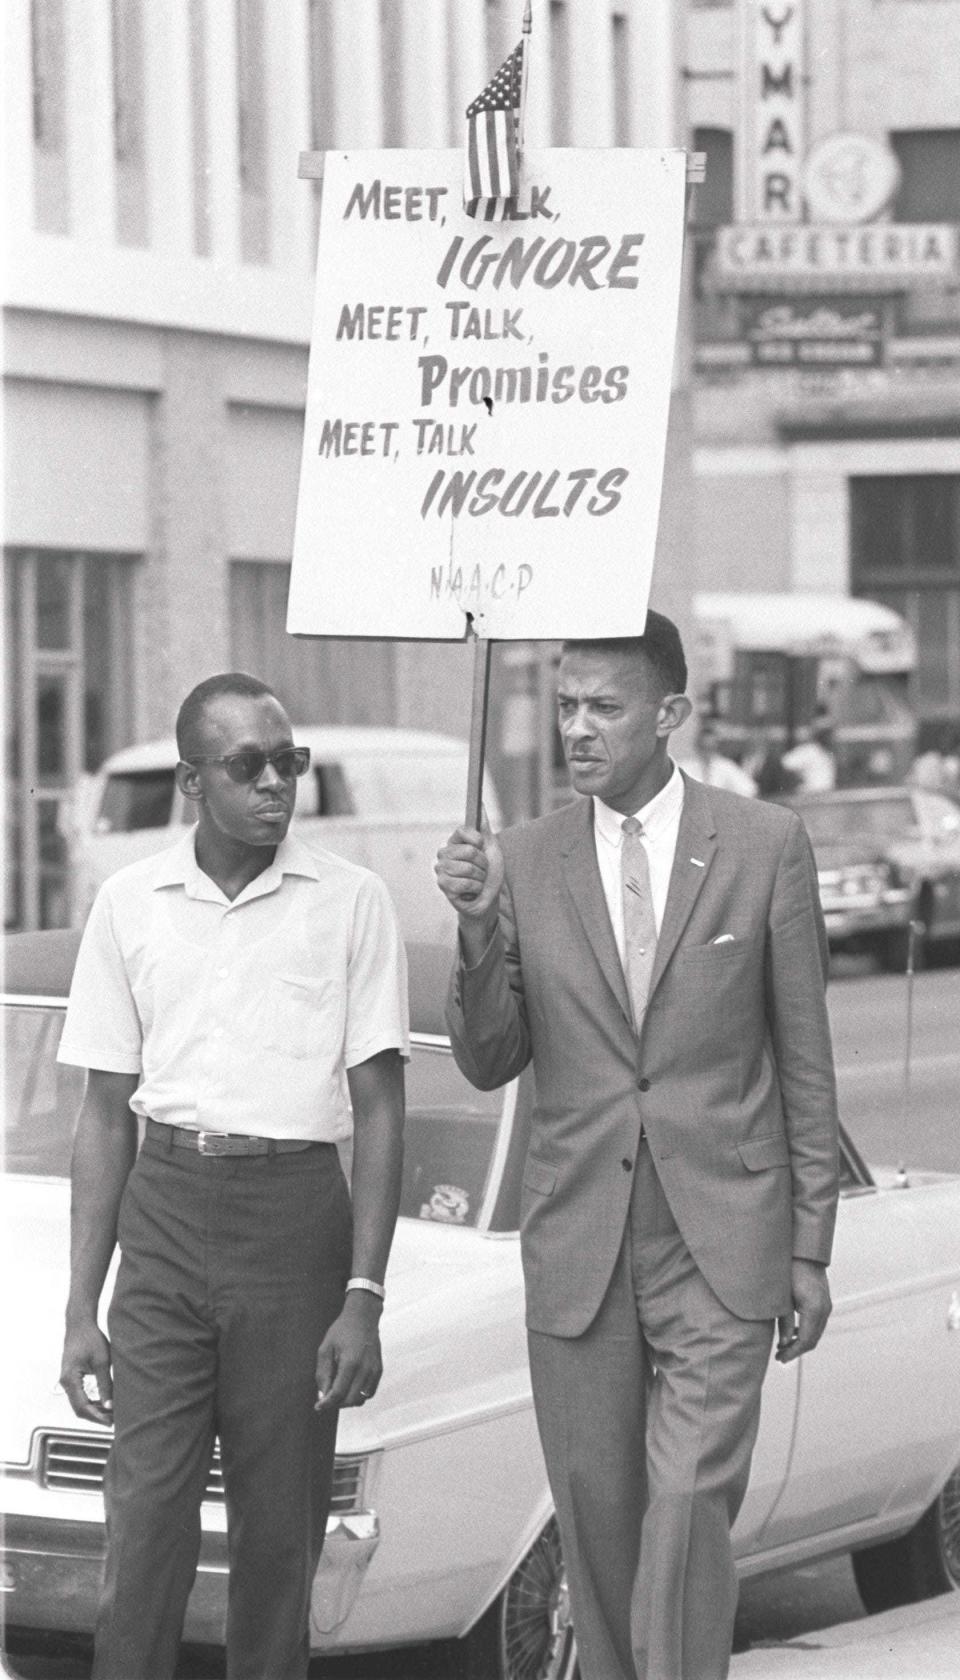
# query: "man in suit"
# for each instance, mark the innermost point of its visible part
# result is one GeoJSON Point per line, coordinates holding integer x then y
{"type": "Point", "coordinates": [667, 980]}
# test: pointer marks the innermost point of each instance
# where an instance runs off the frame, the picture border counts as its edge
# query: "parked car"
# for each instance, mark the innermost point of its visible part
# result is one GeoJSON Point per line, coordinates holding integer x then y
{"type": "Point", "coordinates": [442, 1526]}
{"type": "Point", "coordinates": [885, 857]}
{"type": "Point", "coordinates": [386, 798]}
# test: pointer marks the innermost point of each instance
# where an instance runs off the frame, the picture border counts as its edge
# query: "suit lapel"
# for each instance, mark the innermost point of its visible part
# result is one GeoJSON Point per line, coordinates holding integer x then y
{"type": "Point", "coordinates": [696, 845]}
{"type": "Point", "coordinates": [582, 875]}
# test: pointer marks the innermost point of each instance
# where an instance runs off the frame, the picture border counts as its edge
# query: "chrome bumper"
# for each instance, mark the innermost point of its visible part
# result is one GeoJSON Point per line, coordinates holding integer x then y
{"type": "Point", "coordinates": [52, 1569]}
{"type": "Point", "coordinates": [848, 920]}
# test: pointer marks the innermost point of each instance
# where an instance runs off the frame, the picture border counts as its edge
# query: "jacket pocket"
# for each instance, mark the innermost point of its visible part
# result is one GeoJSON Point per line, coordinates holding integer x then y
{"type": "Point", "coordinates": [757, 1153]}
{"type": "Point", "coordinates": [537, 1175]}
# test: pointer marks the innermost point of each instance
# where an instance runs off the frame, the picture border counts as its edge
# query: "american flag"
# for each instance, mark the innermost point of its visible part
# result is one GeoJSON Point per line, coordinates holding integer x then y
{"type": "Point", "coordinates": [492, 177]}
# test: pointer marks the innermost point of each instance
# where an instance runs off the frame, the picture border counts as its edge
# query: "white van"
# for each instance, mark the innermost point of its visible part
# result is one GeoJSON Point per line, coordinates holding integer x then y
{"type": "Point", "coordinates": [386, 798]}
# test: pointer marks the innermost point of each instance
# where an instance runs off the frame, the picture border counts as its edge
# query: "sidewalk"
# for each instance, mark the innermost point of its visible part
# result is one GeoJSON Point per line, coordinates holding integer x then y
{"type": "Point", "coordinates": [919, 1642]}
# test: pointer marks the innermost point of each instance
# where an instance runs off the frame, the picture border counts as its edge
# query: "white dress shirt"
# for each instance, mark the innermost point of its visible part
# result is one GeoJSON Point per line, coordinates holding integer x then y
{"type": "Point", "coordinates": [242, 1015]}
{"type": "Point", "coordinates": [661, 825]}
{"type": "Point", "coordinates": [720, 772]}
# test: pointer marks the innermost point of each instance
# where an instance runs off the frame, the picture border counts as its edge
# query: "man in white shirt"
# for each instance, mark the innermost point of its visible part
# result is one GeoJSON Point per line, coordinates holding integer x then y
{"type": "Point", "coordinates": [657, 950]}
{"type": "Point", "coordinates": [813, 760]}
{"type": "Point", "coordinates": [237, 995]}
{"type": "Point", "coordinates": [710, 765]}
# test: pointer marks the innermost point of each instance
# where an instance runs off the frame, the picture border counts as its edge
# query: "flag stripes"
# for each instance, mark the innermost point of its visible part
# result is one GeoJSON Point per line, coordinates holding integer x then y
{"type": "Point", "coordinates": [492, 159]}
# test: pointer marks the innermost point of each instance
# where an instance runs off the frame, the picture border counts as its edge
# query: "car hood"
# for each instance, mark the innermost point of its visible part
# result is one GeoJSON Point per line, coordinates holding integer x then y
{"type": "Point", "coordinates": [454, 1343]}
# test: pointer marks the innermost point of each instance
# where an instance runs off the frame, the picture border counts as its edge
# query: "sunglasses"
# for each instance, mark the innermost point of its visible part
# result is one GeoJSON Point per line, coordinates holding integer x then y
{"type": "Point", "coordinates": [245, 767]}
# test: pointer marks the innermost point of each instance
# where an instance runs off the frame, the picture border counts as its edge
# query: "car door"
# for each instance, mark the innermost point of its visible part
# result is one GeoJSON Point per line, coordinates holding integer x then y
{"type": "Point", "coordinates": [771, 1457]}
{"type": "Point", "coordinates": [869, 1395]}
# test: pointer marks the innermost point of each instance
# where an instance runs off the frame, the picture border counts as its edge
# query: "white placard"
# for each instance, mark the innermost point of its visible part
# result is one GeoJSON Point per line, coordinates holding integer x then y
{"type": "Point", "coordinates": [487, 402]}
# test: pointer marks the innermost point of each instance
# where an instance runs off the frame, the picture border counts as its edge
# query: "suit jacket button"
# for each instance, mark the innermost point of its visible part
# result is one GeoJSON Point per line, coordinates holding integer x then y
{"type": "Point", "coordinates": [643, 1084]}
{"type": "Point", "coordinates": [626, 1164]}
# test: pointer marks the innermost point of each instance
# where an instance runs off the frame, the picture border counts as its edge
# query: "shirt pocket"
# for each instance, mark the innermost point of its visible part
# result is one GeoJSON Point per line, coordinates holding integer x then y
{"type": "Point", "coordinates": [299, 1016]}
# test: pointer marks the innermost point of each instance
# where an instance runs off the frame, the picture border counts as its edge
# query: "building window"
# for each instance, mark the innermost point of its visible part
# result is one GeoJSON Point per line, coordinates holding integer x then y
{"type": "Point", "coordinates": [929, 162]}
{"type": "Point", "coordinates": [716, 316]}
{"type": "Point", "coordinates": [559, 73]}
{"type": "Point", "coordinates": [502, 30]}
{"type": "Point", "coordinates": [200, 129]}
{"type": "Point", "coordinates": [129, 121]}
{"type": "Point", "coordinates": [322, 136]}
{"type": "Point", "coordinates": [713, 196]}
{"type": "Point", "coordinates": [905, 552]}
{"type": "Point", "coordinates": [49, 72]}
{"type": "Point", "coordinates": [252, 131]}
{"type": "Point", "coordinates": [622, 79]}
{"type": "Point", "coordinates": [906, 526]}
{"type": "Point", "coordinates": [69, 702]}
{"type": "Point", "coordinates": [391, 35]}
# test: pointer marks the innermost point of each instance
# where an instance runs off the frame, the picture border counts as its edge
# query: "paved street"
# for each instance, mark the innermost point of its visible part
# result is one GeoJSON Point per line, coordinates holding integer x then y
{"type": "Point", "coordinates": [869, 1013]}
{"type": "Point", "coordinates": [869, 1016]}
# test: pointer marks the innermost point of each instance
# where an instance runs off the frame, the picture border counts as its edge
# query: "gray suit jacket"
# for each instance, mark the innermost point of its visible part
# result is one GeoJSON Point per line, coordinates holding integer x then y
{"type": "Point", "coordinates": [731, 1075]}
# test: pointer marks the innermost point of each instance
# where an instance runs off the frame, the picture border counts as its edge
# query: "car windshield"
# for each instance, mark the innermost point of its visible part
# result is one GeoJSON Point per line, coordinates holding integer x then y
{"type": "Point", "coordinates": [450, 1135]}
{"type": "Point", "coordinates": [136, 799]}
{"type": "Point", "coordinates": [858, 820]}
{"type": "Point", "coordinates": [449, 1140]}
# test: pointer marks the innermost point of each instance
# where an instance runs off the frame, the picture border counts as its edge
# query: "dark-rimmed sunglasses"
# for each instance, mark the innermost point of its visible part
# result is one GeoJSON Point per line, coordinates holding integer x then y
{"type": "Point", "coordinates": [243, 767]}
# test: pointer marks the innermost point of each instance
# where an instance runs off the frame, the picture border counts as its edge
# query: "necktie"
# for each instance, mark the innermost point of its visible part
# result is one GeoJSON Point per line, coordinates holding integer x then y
{"type": "Point", "coordinates": [639, 923]}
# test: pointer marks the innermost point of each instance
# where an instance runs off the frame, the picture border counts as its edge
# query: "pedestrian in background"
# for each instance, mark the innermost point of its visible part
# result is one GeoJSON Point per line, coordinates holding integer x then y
{"type": "Point", "coordinates": [813, 760]}
{"type": "Point", "coordinates": [657, 950]}
{"type": "Point", "coordinates": [714, 767]}
{"type": "Point", "coordinates": [229, 993]}
{"type": "Point", "coordinates": [939, 767]}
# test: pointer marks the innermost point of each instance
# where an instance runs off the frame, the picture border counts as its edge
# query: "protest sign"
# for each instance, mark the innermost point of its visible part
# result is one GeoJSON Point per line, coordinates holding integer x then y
{"type": "Point", "coordinates": [487, 402]}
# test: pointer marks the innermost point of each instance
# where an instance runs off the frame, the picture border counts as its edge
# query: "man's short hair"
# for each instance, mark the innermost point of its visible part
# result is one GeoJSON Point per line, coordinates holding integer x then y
{"type": "Point", "coordinates": [191, 713]}
{"type": "Point", "coordinates": [660, 645]}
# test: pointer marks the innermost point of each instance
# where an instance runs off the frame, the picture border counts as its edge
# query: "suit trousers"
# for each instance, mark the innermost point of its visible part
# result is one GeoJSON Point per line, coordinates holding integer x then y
{"type": "Point", "coordinates": [648, 1422]}
{"type": "Point", "coordinates": [232, 1268]}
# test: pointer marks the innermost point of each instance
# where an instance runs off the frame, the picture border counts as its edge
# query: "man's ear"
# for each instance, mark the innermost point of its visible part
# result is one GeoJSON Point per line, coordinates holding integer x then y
{"type": "Point", "coordinates": [188, 781]}
{"type": "Point", "coordinates": [674, 710]}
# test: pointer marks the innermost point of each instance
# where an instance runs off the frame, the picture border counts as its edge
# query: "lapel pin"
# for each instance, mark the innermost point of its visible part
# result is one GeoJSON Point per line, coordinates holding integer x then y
{"type": "Point", "coordinates": [699, 862]}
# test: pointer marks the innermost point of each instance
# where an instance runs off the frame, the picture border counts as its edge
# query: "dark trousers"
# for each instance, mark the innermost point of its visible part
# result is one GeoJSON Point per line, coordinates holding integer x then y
{"type": "Point", "coordinates": [232, 1269]}
{"type": "Point", "coordinates": [648, 1422]}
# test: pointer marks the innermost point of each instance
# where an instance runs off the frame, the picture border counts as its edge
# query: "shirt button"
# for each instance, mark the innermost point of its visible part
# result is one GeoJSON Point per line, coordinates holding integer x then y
{"type": "Point", "coordinates": [627, 1164]}
{"type": "Point", "coordinates": [643, 1084]}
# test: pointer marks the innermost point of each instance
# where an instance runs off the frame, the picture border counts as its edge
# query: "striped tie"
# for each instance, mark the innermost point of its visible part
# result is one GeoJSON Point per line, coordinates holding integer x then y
{"type": "Point", "coordinates": [639, 923]}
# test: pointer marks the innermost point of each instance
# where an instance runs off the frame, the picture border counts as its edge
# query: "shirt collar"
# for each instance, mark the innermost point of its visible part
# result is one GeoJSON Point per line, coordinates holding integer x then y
{"type": "Point", "coordinates": [656, 816]}
{"type": "Point", "coordinates": [179, 868]}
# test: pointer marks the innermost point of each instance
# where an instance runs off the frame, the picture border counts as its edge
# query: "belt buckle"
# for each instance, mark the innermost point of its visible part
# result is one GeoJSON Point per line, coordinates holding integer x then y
{"type": "Point", "coordinates": [213, 1143]}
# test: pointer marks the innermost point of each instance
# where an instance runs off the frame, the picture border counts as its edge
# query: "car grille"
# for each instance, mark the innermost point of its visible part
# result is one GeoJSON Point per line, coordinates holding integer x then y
{"type": "Point", "coordinates": [77, 1462]}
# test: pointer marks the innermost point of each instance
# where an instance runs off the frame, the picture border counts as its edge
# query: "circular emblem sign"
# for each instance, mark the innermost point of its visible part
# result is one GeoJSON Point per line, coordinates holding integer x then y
{"type": "Point", "coordinates": [849, 178]}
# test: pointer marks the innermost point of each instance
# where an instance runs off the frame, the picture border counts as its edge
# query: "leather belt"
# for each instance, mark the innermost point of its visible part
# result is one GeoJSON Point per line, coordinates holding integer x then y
{"type": "Point", "coordinates": [223, 1143]}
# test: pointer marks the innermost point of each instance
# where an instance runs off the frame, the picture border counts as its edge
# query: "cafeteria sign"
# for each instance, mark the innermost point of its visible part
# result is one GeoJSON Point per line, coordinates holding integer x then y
{"type": "Point", "coordinates": [487, 402]}
{"type": "Point", "coordinates": [884, 256]}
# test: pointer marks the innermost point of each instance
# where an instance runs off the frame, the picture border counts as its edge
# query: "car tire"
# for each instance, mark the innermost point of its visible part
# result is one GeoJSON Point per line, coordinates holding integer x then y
{"type": "Point", "coordinates": [527, 1633]}
{"type": "Point", "coordinates": [921, 1564]}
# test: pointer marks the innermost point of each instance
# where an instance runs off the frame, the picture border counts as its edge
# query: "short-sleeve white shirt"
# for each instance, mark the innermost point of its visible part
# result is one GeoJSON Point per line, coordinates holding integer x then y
{"type": "Point", "coordinates": [240, 1016]}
